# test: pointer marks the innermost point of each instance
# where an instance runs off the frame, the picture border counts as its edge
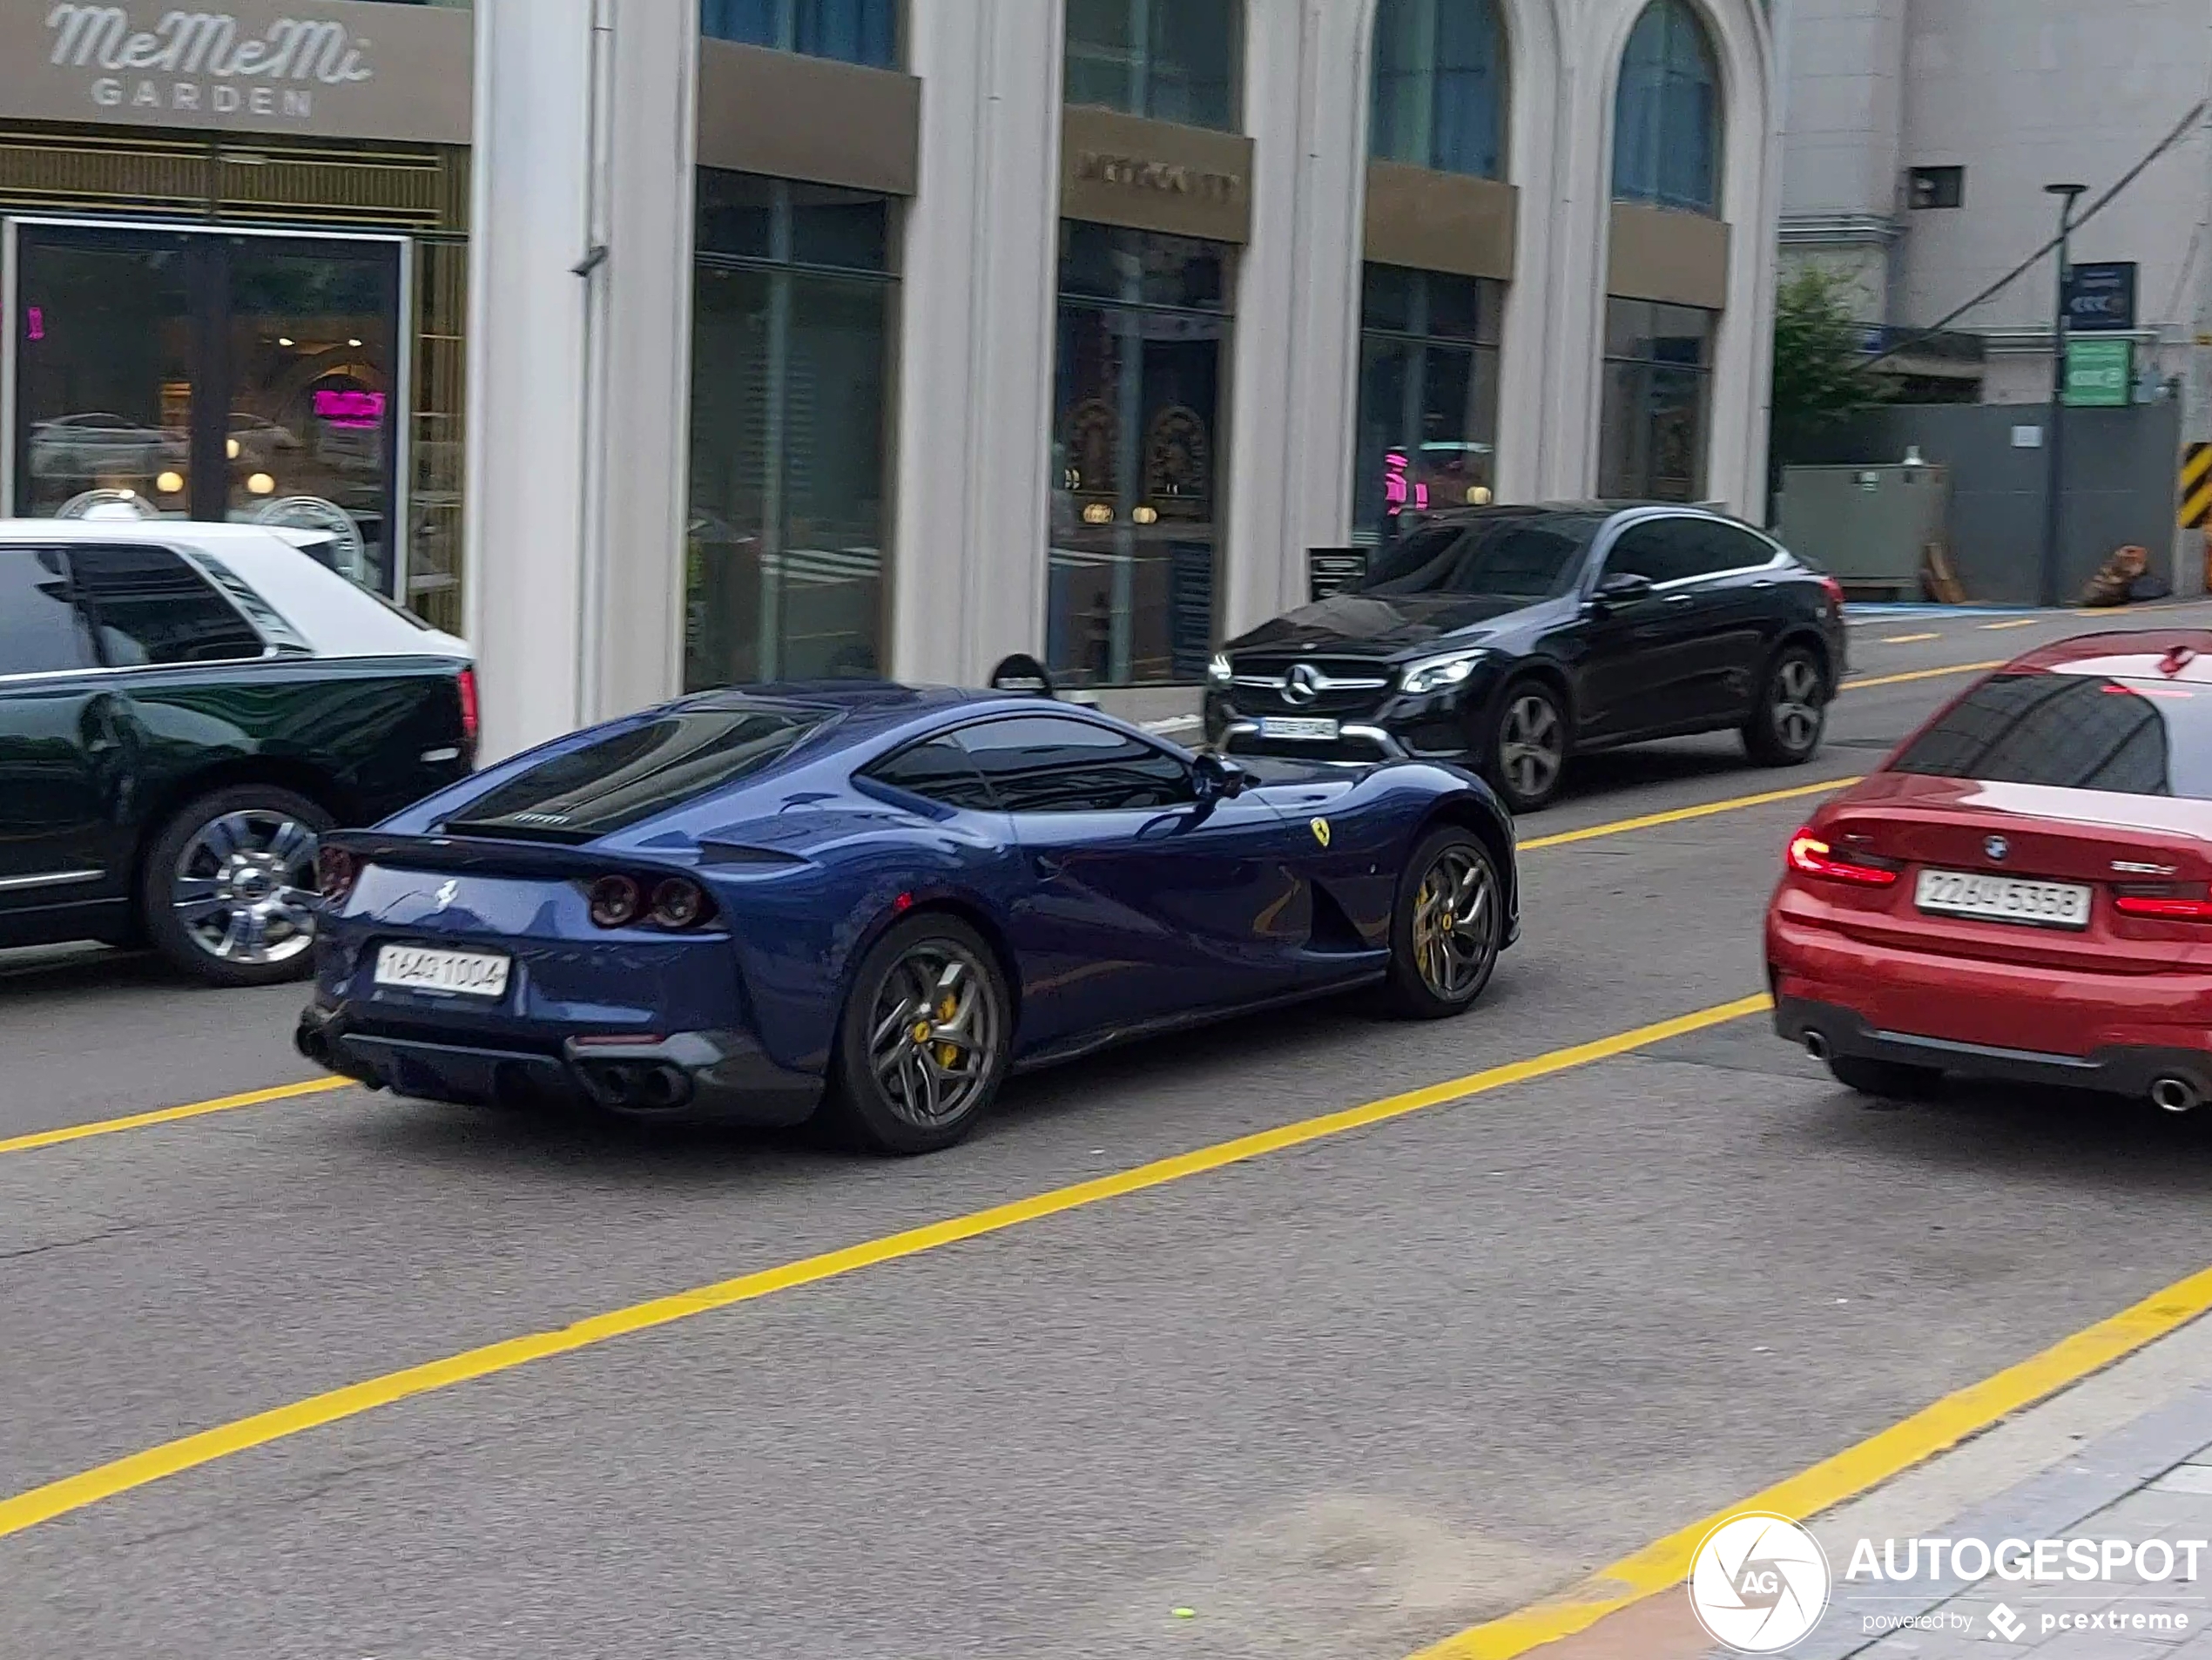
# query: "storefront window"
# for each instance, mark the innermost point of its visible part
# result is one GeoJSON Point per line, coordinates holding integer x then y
{"type": "Point", "coordinates": [214, 377]}
{"type": "Point", "coordinates": [790, 367]}
{"type": "Point", "coordinates": [1658, 401]}
{"type": "Point", "coordinates": [1137, 451]}
{"type": "Point", "coordinates": [1667, 118]}
{"type": "Point", "coordinates": [1428, 397]}
{"type": "Point", "coordinates": [1173, 60]}
{"type": "Point", "coordinates": [1440, 92]}
{"type": "Point", "coordinates": [854, 31]}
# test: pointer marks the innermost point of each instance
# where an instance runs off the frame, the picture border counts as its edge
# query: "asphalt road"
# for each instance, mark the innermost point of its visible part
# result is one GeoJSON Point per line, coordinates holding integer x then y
{"type": "Point", "coordinates": [1337, 1400]}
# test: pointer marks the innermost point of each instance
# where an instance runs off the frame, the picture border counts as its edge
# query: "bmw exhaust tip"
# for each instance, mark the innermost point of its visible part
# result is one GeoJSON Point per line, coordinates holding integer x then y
{"type": "Point", "coordinates": [1817, 1045]}
{"type": "Point", "coordinates": [2176, 1094]}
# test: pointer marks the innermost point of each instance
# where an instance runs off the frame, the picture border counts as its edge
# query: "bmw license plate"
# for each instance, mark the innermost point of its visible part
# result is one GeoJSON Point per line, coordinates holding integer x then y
{"type": "Point", "coordinates": [1302, 728]}
{"type": "Point", "coordinates": [2003, 899]}
{"type": "Point", "coordinates": [460, 974]}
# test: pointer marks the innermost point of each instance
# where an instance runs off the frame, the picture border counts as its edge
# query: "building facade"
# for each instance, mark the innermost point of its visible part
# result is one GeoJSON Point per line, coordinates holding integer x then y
{"type": "Point", "coordinates": [1921, 136]}
{"type": "Point", "coordinates": [817, 337]}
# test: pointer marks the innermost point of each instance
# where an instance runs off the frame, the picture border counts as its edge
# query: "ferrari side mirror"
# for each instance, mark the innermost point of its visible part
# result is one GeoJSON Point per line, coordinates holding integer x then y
{"type": "Point", "coordinates": [1218, 778]}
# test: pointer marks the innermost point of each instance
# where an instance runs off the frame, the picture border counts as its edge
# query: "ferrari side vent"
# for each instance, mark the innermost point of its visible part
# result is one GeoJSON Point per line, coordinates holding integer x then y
{"type": "Point", "coordinates": [1332, 929]}
{"type": "Point", "coordinates": [728, 854]}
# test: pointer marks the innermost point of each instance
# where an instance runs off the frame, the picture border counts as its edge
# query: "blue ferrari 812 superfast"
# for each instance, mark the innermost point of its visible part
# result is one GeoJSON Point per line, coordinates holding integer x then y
{"type": "Point", "coordinates": [874, 902]}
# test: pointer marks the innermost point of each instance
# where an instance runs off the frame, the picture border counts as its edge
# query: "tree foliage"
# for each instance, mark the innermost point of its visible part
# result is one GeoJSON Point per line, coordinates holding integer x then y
{"type": "Point", "coordinates": [1817, 354]}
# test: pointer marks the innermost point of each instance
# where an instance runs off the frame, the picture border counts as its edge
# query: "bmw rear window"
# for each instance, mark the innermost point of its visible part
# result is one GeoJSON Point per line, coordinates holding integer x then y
{"type": "Point", "coordinates": [2075, 731]}
{"type": "Point", "coordinates": [627, 777]}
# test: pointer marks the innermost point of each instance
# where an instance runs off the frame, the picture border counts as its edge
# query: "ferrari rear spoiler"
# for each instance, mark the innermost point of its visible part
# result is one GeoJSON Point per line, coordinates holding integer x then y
{"type": "Point", "coordinates": [491, 856]}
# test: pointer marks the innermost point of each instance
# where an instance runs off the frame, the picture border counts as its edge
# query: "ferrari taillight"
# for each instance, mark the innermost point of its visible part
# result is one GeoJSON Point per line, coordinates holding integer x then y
{"type": "Point", "coordinates": [336, 871]}
{"type": "Point", "coordinates": [1811, 856]}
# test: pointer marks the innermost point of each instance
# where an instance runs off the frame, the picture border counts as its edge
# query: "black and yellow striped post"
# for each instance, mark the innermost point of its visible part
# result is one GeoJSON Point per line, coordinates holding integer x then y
{"type": "Point", "coordinates": [2197, 487]}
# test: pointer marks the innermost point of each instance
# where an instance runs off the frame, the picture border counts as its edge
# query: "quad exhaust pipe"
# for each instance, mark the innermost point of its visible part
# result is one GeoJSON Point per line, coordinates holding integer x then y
{"type": "Point", "coordinates": [2176, 1094]}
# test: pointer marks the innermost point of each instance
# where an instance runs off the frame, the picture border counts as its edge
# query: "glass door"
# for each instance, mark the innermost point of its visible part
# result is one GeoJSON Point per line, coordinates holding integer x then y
{"type": "Point", "coordinates": [216, 377]}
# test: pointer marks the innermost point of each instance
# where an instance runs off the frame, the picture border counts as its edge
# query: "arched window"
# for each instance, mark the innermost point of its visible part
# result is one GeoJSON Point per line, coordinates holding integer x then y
{"type": "Point", "coordinates": [1666, 121]}
{"type": "Point", "coordinates": [1440, 94]}
{"type": "Point", "coordinates": [854, 32]}
{"type": "Point", "coordinates": [1173, 60]}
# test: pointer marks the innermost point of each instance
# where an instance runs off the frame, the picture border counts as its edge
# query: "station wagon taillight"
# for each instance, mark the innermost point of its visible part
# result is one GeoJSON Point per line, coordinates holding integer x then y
{"type": "Point", "coordinates": [467, 685]}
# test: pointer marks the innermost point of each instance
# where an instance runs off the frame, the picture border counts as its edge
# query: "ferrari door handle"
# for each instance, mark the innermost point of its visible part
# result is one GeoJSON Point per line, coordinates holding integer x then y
{"type": "Point", "coordinates": [1680, 599]}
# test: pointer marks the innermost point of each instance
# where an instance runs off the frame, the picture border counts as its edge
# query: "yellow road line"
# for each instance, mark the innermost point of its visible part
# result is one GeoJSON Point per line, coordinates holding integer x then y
{"type": "Point", "coordinates": [170, 1114]}
{"type": "Point", "coordinates": [1681, 815]}
{"type": "Point", "coordinates": [75, 1492]}
{"type": "Point", "coordinates": [1918, 674]}
{"type": "Point", "coordinates": [2018, 621]}
{"type": "Point", "coordinates": [1908, 639]}
{"type": "Point", "coordinates": [1664, 1564]}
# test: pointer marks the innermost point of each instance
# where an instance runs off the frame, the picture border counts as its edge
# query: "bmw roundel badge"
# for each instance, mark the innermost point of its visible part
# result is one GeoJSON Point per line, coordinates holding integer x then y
{"type": "Point", "coordinates": [1997, 848]}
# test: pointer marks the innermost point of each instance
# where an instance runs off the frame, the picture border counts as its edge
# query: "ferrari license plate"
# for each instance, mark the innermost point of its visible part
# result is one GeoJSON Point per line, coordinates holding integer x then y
{"type": "Point", "coordinates": [1305, 728]}
{"type": "Point", "coordinates": [2003, 899]}
{"type": "Point", "coordinates": [462, 974]}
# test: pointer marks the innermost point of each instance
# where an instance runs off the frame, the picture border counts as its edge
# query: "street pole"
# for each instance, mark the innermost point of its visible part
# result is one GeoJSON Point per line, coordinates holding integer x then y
{"type": "Point", "coordinates": [2054, 446]}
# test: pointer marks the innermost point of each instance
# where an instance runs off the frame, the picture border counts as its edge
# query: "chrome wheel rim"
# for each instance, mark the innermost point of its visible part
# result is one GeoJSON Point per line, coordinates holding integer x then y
{"type": "Point", "coordinates": [1532, 744]}
{"type": "Point", "coordinates": [934, 1034]}
{"type": "Point", "coordinates": [244, 888]}
{"type": "Point", "coordinates": [1796, 703]}
{"type": "Point", "coordinates": [1455, 924]}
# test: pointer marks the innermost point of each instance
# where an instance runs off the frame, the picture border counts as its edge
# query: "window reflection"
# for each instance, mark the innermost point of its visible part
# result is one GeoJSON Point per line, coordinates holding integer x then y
{"type": "Point", "coordinates": [1658, 401]}
{"type": "Point", "coordinates": [1135, 530]}
{"type": "Point", "coordinates": [1439, 92]}
{"type": "Point", "coordinates": [1173, 60]}
{"type": "Point", "coordinates": [790, 337]}
{"type": "Point", "coordinates": [2072, 731]}
{"type": "Point", "coordinates": [1428, 397]}
{"type": "Point", "coordinates": [853, 31]}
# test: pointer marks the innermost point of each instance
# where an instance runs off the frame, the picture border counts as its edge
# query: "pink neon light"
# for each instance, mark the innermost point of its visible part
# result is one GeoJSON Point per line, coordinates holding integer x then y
{"type": "Point", "coordinates": [37, 315]}
{"type": "Point", "coordinates": [352, 410]}
{"type": "Point", "coordinates": [1398, 489]}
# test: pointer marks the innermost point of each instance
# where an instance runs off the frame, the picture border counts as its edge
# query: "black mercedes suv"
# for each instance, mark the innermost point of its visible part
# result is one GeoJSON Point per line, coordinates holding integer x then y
{"type": "Point", "coordinates": [1508, 640]}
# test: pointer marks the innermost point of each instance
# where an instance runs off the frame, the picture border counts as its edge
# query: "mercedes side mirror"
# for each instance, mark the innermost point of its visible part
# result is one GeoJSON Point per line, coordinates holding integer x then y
{"type": "Point", "coordinates": [1622, 588]}
{"type": "Point", "coordinates": [1218, 778]}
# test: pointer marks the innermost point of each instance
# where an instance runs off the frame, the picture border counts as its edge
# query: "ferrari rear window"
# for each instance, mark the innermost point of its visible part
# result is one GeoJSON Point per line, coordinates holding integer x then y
{"type": "Point", "coordinates": [2075, 731]}
{"type": "Point", "coordinates": [629, 776]}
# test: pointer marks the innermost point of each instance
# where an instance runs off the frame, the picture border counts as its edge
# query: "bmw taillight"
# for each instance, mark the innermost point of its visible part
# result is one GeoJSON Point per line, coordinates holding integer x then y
{"type": "Point", "coordinates": [1811, 856]}
{"type": "Point", "coordinates": [336, 871]}
{"type": "Point", "coordinates": [2166, 903]}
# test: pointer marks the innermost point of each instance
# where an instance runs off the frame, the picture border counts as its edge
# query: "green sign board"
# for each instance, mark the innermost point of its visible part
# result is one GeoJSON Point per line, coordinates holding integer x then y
{"type": "Point", "coordinates": [2100, 374]}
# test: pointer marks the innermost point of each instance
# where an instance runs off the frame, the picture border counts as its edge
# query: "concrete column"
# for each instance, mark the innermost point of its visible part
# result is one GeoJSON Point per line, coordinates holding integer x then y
{"type": "Point", "coordinates": [1527, 372]}
{"type": "Point", "coordinates": [978, 336]}
{"type": "Point", "coordinates": [578, 359]}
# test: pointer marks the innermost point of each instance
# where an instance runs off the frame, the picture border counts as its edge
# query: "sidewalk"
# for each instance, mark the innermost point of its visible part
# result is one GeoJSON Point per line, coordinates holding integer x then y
{"type": "Point", "coordinates": [2124, 1455]}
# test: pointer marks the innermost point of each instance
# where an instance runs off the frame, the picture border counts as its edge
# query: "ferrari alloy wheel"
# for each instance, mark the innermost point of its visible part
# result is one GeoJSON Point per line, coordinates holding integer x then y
{"type": "Point", "coordinates": [1448, 927]}
{"type": "Point", "coordinates": [1529, 754]}
{"type": "Point", "coordinates": [924, 1040]}
{"type": "Point", "coordinates": [1792, 712]}
{"type": "Point", "coordinates": [227, 894]}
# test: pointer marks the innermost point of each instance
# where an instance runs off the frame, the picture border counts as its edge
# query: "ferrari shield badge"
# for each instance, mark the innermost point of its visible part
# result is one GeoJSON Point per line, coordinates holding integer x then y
{"type": "Point", "coordinates": [1320, 828]}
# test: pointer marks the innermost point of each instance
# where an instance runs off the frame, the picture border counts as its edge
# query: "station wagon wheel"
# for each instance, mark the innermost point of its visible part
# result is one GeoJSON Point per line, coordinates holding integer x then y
{"type": "Point", "coordinates": [1786, 727]}
{"type": "Point", "coordinates": [227, 891]}
{"type": "Point", "coordinates": [1529, 752]}
{"type": "Point", "coordinates": [924, 1039]}
{"type": "Point", "coordinates": [1449, 925]}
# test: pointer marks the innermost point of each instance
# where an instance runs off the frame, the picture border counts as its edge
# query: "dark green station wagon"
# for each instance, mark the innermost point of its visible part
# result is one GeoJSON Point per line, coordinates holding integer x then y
{"type": "Point", "coordinates": [184, 709]}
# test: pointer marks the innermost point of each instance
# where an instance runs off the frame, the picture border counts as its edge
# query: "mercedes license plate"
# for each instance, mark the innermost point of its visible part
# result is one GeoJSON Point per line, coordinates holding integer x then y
{"type": "Point", "coordinates": [2003, 899]}
{"type": "Point", "coordinates": [1302, 728]}
{"type": "Point", "coordinates": [462, 974]}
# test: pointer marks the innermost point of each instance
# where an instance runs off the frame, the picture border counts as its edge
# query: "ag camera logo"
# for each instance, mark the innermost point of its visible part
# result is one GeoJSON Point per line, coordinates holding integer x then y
{"type": "Point", "coordinates": [1759, 1583]}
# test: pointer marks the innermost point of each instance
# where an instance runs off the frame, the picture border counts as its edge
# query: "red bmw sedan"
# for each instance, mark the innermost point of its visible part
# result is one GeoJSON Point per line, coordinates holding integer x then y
{"type": "Point", "coordinates": [2024, 890]}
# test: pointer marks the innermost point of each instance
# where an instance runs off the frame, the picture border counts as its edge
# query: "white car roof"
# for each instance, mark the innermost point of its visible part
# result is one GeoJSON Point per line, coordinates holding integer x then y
{"type": "Point", "coordinates": [334, 617]}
